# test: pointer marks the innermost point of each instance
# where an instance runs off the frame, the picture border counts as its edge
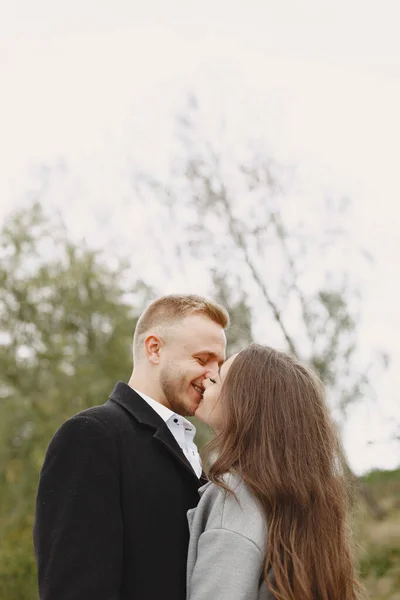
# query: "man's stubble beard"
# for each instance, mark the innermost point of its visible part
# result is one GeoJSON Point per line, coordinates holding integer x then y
{"type": "Point", "coordinates": [171, 388]}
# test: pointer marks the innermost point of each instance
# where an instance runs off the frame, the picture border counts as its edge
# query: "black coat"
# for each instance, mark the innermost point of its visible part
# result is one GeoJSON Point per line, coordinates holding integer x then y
{"type": "Point", "coordinates": [111, 508]}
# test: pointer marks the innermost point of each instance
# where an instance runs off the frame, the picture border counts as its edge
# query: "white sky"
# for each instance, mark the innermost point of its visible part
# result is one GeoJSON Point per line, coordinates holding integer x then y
{"type": "Point", "coordinates": [96, 84]}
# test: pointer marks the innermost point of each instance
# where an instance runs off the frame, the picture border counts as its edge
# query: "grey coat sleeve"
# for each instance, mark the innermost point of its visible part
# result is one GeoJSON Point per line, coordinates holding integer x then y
{"type": "Point", "coordinates": [228, 565]}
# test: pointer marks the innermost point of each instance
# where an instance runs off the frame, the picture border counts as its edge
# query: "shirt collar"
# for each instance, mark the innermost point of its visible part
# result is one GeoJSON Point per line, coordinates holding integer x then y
{"type": "Point", "coordinates": [165, 413]}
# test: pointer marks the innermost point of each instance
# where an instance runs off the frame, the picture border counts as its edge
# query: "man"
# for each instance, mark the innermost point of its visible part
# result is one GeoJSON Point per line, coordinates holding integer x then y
{"type": "Point", "coordinates": [118, 479]}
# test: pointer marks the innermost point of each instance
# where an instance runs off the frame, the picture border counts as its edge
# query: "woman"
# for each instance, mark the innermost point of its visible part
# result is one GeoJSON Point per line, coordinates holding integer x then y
{"type": "Point", "coordinates": [272, 521]}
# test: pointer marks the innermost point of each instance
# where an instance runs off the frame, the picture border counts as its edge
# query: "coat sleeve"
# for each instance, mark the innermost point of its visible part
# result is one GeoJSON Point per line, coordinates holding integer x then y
{"type": "Point", "coordinates": [228, 565]}
{"type": "Point", "coordinates": [78, 525]}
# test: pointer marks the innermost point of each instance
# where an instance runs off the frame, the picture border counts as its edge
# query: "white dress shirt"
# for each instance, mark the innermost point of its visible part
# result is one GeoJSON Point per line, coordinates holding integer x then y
{"type": "Point", "coordinates": [182, 430]}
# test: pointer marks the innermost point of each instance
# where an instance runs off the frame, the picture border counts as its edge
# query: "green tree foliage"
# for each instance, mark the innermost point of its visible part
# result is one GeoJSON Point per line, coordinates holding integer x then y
{"type": "Point", "coordinates": [66, 330]}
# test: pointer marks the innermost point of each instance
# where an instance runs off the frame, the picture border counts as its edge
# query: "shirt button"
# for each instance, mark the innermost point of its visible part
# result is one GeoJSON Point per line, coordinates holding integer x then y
{"type": "Point", "coordinates": [176, 421]}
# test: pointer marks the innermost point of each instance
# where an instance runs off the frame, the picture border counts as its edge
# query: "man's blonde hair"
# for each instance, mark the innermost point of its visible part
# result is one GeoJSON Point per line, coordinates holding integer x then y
{"type": "Point", "coordinates": [169, 310]}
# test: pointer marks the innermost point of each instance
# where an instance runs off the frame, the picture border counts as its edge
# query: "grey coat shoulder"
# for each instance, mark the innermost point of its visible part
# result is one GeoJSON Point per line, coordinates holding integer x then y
{"type": "Point", "coordinates": [227, 545]}
{"type": "Point", "coordinates": [239, 512]}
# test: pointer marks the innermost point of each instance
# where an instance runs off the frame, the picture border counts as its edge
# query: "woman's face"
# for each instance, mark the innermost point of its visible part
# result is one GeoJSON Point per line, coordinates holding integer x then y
{"type": "Point", "coordinates": [210, 410]}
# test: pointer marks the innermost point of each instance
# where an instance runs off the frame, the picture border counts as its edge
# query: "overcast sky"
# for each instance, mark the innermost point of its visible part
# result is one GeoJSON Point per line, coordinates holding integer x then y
{"type": "Point", "coordinates": [95, 85]}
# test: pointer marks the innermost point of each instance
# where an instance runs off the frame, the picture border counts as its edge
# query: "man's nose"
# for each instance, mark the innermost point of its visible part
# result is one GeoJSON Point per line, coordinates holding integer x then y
{"type": "Point", "coordinates": [212, 371]}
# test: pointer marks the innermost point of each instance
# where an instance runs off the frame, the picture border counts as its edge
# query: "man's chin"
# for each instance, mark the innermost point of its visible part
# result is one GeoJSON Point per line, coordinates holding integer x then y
{"type": "Point", "coordinates": [187, 409]}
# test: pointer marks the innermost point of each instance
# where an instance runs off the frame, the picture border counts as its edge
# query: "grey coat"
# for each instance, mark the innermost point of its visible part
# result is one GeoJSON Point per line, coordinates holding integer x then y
{"type": "Point", "coordinates": [227, 547]}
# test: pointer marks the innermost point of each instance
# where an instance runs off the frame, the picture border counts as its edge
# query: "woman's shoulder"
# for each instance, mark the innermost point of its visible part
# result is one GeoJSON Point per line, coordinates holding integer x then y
{"type": "Point", "coordinates": [238, 512]}
{"type": "Point", "coordinates": [242, 510]}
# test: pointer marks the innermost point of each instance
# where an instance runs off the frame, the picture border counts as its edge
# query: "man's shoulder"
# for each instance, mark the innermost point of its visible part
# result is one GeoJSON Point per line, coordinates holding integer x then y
{"type": "Point", "coordinates": [107, 418]}
{"type": "Point", "coordinates": [104, 413]}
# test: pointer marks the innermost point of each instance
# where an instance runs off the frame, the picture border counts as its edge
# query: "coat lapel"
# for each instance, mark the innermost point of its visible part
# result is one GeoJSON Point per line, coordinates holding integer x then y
{"type": "Point", "coordinates": [133, 403]}
{"type": "Point", "coordinates": [165, 437]}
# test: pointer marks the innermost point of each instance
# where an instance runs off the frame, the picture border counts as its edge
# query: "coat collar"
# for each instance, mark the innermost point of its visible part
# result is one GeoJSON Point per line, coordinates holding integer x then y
{"type": "Point", "coordinates": [203, 488]}
{"type": "Point", "coordinates": [133, 403]}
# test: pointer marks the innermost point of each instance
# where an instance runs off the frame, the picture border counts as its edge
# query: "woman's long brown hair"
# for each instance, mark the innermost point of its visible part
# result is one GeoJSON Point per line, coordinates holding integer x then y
{"type": "Point", "coordinates": [280, 438]}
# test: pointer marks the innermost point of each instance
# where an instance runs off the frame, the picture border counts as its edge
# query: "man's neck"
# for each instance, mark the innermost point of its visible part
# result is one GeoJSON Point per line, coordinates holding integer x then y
{"type": "Point", "coordinates": [144, 386]}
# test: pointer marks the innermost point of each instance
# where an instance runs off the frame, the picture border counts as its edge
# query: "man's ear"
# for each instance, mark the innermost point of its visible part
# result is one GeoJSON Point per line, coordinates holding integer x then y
{"type": "Point", "coordinates": [152, 347]}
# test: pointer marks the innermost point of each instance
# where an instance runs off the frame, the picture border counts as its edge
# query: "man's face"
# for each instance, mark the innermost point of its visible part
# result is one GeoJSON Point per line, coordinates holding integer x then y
{"type": "Point", "coordinates": [194, 352]}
